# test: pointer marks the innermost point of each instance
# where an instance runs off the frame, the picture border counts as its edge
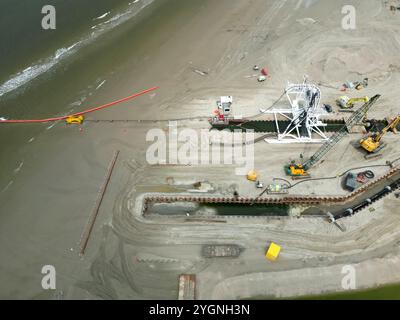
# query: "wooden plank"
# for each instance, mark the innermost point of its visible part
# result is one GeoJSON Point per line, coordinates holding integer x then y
{"type": "Point", "coordinates": [92, 218]}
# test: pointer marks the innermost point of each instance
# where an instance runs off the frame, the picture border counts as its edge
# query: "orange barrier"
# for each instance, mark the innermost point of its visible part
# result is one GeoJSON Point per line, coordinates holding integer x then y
{"type": "Point", "coordinates": [82, 112]}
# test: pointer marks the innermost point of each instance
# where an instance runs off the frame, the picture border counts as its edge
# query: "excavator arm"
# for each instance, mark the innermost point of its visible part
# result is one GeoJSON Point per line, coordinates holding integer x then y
{"type": "Point", "coordinates": [391, 126]}
{"type": "Point", "coordinates": [351, 101]}
{"type": "Point", "coordinates": [346, 102]}
{"type": "Point", "coordinates": [373, 143]}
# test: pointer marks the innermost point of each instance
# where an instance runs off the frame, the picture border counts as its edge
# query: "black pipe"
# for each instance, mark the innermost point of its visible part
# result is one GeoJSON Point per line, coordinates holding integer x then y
{"type": "Point", "coordinates": [365, 203]}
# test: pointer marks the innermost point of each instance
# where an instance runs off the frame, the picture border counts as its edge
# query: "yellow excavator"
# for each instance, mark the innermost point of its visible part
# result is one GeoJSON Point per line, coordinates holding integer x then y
{"type": "Point", "coordinates": [372, 144]}
{"type": "Point", "coordinates": [347, 103]}
{"type": "Point", "coordinates": [296, 170]}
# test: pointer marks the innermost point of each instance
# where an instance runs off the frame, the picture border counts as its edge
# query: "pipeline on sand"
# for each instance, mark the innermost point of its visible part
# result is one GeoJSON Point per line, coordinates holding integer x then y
{"type": "Point", "coordinates": [82, 112]}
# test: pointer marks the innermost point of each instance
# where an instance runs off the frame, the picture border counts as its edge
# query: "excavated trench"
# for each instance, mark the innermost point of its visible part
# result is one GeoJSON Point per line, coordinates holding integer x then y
{"type": "Point", "coordinates": [269, 126]}
{"type": "Point", "coordinates": [216, 209]}
{"type": "Point", "coordinates": [273, 206]}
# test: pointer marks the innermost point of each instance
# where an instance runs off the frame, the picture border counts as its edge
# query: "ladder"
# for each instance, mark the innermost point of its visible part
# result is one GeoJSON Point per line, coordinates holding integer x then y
{"type": "Point", "coordinates": [355, 118]}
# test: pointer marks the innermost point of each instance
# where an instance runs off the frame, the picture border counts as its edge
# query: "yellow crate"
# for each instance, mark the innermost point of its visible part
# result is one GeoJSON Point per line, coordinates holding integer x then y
{"type": "Point", "coordinates": [273, 252]}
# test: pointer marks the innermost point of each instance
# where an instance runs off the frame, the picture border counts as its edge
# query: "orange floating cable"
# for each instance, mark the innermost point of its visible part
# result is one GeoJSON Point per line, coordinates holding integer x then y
{"type": "Point", "coordinates": [83, 112]}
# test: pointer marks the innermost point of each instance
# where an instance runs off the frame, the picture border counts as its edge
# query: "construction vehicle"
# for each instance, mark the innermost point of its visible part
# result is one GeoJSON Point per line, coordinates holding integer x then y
{"type": "Point", "coordinates": [300, 170]}
{"type": "Point", "coordinates": [74, 119]}
{"type": "Point", "coordinates": [372, 144]}
{"type": "Point", "coordinates": [296, 170]}
{"type": "Point", "coordinates": [345, 102]}
{"type": "Point", "coordinates": [223, 115]}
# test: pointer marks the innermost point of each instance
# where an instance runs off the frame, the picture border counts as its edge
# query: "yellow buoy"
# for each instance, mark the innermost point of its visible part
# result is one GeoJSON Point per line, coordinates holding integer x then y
{"type": "Point", "coordinates": [74, 120]}
{"type": "Point", "coordinates": [252, 175]}
{"type": "Point", "coordinates": [273, 252]}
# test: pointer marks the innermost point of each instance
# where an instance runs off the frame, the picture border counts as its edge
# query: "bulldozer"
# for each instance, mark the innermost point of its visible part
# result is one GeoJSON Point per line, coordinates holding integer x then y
{"type": "Point", "coordinates": [345, 102]}
{"type": "Point", "coordinates": [373, 144]}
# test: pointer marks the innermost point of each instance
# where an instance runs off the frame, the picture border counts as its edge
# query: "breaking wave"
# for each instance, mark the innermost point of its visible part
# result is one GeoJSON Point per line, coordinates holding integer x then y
{"type": "Point", "coordinates": [25, 76]}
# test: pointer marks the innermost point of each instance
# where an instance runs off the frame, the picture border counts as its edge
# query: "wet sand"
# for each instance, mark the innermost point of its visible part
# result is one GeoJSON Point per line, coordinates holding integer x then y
{"type": "Point", "coordinates": [50, 195]}
{"type": "Point", "coordinates": [45, 209]}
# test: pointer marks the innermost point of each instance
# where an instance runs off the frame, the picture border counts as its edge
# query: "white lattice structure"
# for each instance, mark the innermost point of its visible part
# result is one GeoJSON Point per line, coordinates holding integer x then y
{"type": "Point", "coordinates": [304, 114]}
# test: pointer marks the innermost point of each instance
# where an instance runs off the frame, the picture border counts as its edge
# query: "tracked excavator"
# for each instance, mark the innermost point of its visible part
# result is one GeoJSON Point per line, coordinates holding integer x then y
{"type": "Point", "coordinates": [345, 102]}
{"type": "Point", "coordinates": [373, 144]}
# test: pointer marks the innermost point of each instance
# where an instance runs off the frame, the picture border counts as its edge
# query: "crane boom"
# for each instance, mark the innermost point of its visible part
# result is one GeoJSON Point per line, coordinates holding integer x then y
{"type": "Point", "coordinates": [355, 118]}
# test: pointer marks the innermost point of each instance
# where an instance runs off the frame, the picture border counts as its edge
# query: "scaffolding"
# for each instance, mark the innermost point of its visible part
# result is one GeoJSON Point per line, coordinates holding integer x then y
{"type": "Point", "coordinates": [304, 115]}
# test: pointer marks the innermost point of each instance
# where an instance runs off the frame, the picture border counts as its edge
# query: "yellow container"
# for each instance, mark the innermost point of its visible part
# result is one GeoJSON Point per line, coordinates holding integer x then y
{"type": "Point", "coordinates": [252, 175]}
{"type": "Point", "coordinates": [273, 252]}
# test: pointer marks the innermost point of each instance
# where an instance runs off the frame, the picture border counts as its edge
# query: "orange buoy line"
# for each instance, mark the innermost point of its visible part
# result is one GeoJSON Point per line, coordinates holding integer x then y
{"type": "Point", "coordinates": [83, 112]}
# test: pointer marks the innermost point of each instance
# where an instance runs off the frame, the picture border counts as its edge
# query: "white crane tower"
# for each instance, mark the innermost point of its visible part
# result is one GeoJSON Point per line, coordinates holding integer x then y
{"type": "Point", "coordinates": [303, 123]}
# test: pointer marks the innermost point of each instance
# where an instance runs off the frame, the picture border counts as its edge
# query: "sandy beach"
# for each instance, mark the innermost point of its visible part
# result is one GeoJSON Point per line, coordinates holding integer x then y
{"type": "Point", "coordinates": [51, 184]}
